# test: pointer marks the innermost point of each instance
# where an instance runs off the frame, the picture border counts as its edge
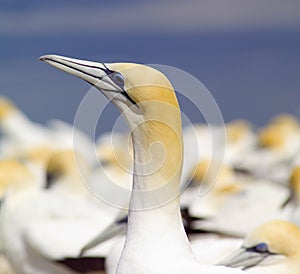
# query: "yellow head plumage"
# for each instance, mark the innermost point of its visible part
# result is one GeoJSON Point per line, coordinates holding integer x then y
{"type": "Point", "coordinates": [149, 85]}
{"type": "Point", "coordinates": [294, 183]}
{"type": "Point", "coordinates": [13, 174]}
{"type": "Point", "coordinates": [66, 163]}
{"type": "Point", "coordinates": [274, 136]}
{"type": "Point", "coordinates": [282, 237]}
{"type": "Point", "coordinates": [148, 103]}
{"type": "Point", "coordinates": [236, 130]}
{"type": "Point", "coordinates": [39, 155]}
{"type": "Point", "coordinates": [6, 108]}
{"type": "Point", "coordinates": [210, 171]}
{"type": "Point", "coordinates": [285, 120]}
{"type": "Point", "coordinates": [161, 121]}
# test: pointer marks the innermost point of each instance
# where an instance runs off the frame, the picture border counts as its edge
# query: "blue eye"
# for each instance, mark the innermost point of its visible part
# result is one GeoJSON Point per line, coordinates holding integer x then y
{"type": "Point", "coordinates": [118, 79]}
{"type": "Point", "coordinates": [260, 248]}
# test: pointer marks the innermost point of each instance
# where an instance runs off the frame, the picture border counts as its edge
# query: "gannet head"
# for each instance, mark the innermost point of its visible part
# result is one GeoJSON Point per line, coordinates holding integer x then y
{"type": "Point", "coordinates": [14, 175]}
{"type": "Point", "coordinates": [237, 130]}
{"type": "Point", "coordinates": [148, 103]}
{"type": "Point", "coordinates": [207, 171]}
{"type": "Point", "coordinates": [281, 133]}
{"type": "Point", "coordinates": [202, 168]}
{"type": "Point", "coordinates": [273, 137]}
{"type": "Point", "coordinates": [286, 120]}
{"type": "Point", "coordinates": [129, 86]}
{"type": "Point", "coordinates": [6, 108]}
{"type": "Point", "coordinates": [38, 155]}
{"type": "Point", "coordinates": [67, 167]}
{"type": "Point", "coordinates": [274, 239]}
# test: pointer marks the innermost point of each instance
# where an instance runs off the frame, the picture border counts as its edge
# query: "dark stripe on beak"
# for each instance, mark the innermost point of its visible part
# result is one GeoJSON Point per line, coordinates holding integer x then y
{"type": "Point", "coordinates": [77, 69]}
{"type": "Point", "coordinates": [124, 93]}
{"type": "Point", "coordinates": [105, 69]}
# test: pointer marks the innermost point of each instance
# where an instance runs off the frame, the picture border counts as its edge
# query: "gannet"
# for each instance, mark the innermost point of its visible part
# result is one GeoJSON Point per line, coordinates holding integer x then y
{"type": "Point", "coordinates": [278, 146]}
{"type": "Point", "coordinates": [155, 242]}
{"type": "Point", "coordinates": [240, 140]}
{"type": "Point", "coordinates": [256, 203]}
{"type": "Point", "coordinates": [200, 146]}
{"type": "Point", "coordinates": [204, 206]}
{"type": "Point", "coordinates": [47, 227]}
{"type": "Point", "coordinates": [216, 249]}
{"type": "Point", "coordinates": [271, 248]}
{"type": "Point", "coordinates": [225, 186]}
{"type": "Point", "coordinates": [279, 138]}
{"type": "Point", "coordinates": [17, 130]}
{"type": "Point", "coordinates": [21, 135]}
{"type": "Point", "coordinates": [221, 206]}
{"type": "Point", "coordinates": [67, 172]}
{"type": "Point", "coordinates": [285, 119]}
{"type": "Point", "coordinates": [14, 176]}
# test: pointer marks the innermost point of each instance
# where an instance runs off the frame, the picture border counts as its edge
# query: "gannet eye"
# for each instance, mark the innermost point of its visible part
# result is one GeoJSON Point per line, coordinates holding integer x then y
{"type": "Point", "coordinates": [260, 248]}
{"type": "Point", "coordinates": [118, 79]}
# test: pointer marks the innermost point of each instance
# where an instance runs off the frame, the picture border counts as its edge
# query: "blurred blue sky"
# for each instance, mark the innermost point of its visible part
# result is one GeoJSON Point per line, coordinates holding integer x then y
{"type": "Point", "coordinates": [247, 53]}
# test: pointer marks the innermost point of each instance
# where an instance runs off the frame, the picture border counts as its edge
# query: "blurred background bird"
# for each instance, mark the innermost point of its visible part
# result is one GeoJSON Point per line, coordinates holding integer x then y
{"type": "Point", "coordinates": [273, 247]}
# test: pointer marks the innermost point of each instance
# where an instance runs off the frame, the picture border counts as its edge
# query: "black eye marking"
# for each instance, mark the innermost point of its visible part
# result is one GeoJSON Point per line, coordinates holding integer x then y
{"type": "Point", "coordinates": [260, 248]}
{"type": "Point", "coordinates": [124, 93]}
{"type": "Point", "coordinates": [107, 70]}
{"type": "Point", "coordinates": [116, 77]}
{"type": "Point", "coordinates": [119, 80]}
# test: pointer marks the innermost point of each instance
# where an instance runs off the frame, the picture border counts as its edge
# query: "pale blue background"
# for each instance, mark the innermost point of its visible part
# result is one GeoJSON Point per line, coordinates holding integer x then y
{"type": "Point", "coordinates": [246, 52]}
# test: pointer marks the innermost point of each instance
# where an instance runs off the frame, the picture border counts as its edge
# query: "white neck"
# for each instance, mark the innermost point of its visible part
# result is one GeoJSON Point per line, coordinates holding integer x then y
{"type": "Point", "coordinates": [155, 228]}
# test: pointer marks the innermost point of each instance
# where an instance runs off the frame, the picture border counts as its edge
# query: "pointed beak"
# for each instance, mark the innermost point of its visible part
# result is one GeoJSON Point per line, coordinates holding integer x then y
{"type": "Point", "coordinates": [291, 200]}
{"type": "Point", "coordinates": [117, 227]}
{"type": "Point", "coordinates": [244, 259]}
{"type": "Point", "coordinates": [97, 74]}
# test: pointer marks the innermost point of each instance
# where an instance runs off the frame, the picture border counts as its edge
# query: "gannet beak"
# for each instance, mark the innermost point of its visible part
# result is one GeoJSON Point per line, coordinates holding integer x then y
{"type": "Point", "coordinates": [244, 259]}
{"type": "Point", "coordinates": [291, 200]}
{"type": "Point", "coordinates": [97, 74]}
{"type": "Point", "coordinates": [110, 232]}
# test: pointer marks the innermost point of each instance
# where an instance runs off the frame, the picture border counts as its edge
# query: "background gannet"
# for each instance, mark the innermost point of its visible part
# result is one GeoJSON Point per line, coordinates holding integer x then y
{"type": "Point", "coordinates": [46, 227]}
{"type": "Point", "coordinates": [67, 172]}
{"type": "Point", "coordinates": [19, 134]}
{"type": "Point", "coordinates": [240, 139]}
{"type": "Point", "coordinates": [155, 241]}
{"type": "Point", "coordinates": [271, 248]}
{"type": "Point", "coordinates": [257, 202]}
{"type": "Point", "coordinates": [277, 149]}
{"type": "Point", "coordinates": [225, 186]}
{"type": "Point", "coordinates": [68, 176]}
